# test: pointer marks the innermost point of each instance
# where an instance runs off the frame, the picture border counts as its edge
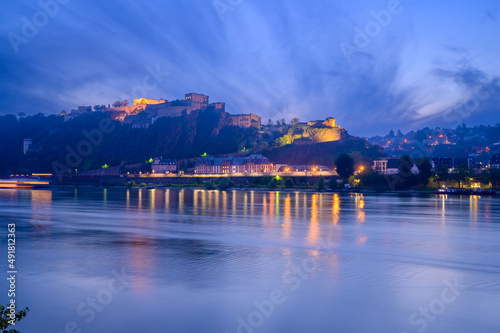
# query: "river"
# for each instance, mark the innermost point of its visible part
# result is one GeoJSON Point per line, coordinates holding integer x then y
{"type": "Point", "coordinates": [168, 260]}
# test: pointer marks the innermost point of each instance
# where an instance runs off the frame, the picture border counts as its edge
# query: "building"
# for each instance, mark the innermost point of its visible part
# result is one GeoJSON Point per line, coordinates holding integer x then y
{"type": "Point", "coordinates": [329, 122]}
{"type": "Point", "coordinates": [495, 161]}
{"type": "Point", "coordinates": [389, 166]}
{"type": "Point", "coordinates": [301, 168]}
{"type": "Point", "coordinates": [161, 165]}
{"type": "Point", "coordinates": [244, 120]}
{"type": "Point", "coordinates": [386, 166]}
{"type": "Point", "coordinates": [27, 143]}
{"type": "Point", "coordinates": [194, 98]}
{"type": "Point", "coordinates": [228, 165]}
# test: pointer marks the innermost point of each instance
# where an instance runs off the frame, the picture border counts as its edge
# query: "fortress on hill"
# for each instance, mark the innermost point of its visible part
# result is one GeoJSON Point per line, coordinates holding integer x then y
{"type": "Point", "coordinates": [144, 112]}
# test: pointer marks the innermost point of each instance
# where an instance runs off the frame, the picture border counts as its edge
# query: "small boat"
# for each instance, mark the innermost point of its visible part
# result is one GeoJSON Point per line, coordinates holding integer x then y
{"type": "Point", "coordinates": [484, 192]}
{"type": "Point", "coordinates": [454, 191]}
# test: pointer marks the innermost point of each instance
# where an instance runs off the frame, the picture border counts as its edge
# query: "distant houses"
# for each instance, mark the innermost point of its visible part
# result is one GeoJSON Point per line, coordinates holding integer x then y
{"type": "Point", "coordinates": [228, 165]}
{"type": "Point", "coordinates": [495, 161]}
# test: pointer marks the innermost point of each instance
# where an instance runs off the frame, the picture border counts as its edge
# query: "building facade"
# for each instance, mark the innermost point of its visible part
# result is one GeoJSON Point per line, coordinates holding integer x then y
{"type": "Point", "coordinates": [228, 165]}
{"type": "Point", "coordinates": [244, 120]}
{"type": "Point", "coordinates": [161, 165]}
{"type": "Point", "coordinates": [27, 143]}
{"type": "Point", "coordinates": [194, 98]}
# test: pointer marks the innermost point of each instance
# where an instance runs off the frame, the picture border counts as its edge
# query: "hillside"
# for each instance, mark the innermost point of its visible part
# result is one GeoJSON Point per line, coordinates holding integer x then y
{"type": "Point", "coordinates": [325, 153]}
{"type": "Point", "coordinates": [84, 143]}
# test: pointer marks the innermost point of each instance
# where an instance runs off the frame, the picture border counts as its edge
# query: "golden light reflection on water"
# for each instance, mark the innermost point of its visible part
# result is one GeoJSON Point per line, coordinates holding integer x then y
{"type": "Point", "coordinates": [473, 203]}
{"type": "Point", "coordinates": [252, 202]}
{"type": "Point", "coordinates": [139, 199]}
{"type": "Point", "coordinates": [41, 205]}
{"type": "Point", "coordinates": [314, 230]}
{"type": "Point", "coordinates": [224, 203]}
{"type": "Point", "coordinates": [216, 200]}
{"type": "Point", "coordinates": [245, 203]}
{"type": "Point", "coordinates": [181, 201]}
{"type": "Point", "coordinates": [336, 208]}
{"type": "Point", "coordinates": [195, 202]}
{"type": "Point", "coordinates": [152, 193]}
{"type": "Point", "coordinates": [287, 220]}
{"type": "Point", "coordinates": [233, 205]}
{"type": "Point", "coordinates": [360, 205]}
{"type": "Point", "coordinates": [297, 204]}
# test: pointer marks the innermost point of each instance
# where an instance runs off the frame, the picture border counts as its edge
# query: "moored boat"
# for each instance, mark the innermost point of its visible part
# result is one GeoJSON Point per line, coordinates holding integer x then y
{"type": "Point", "coordinates": [454, 191]}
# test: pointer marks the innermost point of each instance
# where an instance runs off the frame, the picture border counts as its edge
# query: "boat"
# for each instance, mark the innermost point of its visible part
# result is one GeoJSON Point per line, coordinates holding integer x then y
{"type": "Point", "coordinates": [454, 191]}
{"type": "Point", "coordinates": [23, 183]}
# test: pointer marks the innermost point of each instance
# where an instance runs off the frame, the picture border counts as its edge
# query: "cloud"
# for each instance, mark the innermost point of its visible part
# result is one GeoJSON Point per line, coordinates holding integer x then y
{"type": "Point", "coordinates": [278, 59]}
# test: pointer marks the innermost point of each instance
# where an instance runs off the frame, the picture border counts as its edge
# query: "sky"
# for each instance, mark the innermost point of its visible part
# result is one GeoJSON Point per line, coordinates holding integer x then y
{"type": "Point", "coordinates": [372, 65]}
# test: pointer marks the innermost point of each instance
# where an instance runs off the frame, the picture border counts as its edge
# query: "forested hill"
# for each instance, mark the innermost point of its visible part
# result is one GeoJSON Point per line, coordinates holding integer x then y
{"type": "Point", "coordinates": [67, 143]}
{"type": "Point", "coordinates": [92, 141]}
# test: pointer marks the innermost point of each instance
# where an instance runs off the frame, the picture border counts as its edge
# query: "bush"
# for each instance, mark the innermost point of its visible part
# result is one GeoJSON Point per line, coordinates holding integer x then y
{"type": "Point", "coordinates": [209, 185]}
{"type": "Point", "coordinates": [289, 183]}
{"type": "Point", "coordinates": [273, 183]}
{"type": "Point", "coordinates": [321, 184]}
{"type": "Point", "coordinates": [225, 183]}
{"type": "Point", "coordinates": [332, 183]}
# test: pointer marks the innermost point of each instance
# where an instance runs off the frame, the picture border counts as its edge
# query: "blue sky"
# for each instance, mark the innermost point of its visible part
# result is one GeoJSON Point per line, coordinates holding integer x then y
{"type": "Point", "coordinates": [416, 67]}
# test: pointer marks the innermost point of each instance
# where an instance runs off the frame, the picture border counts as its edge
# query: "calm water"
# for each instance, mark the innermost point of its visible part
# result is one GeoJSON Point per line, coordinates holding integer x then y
{"type": "Point", "coordinates": [117, 260]}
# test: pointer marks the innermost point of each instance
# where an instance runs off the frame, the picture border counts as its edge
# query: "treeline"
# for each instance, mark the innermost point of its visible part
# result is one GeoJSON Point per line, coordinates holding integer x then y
{"type": "Point", "coordinates": [92, 140]}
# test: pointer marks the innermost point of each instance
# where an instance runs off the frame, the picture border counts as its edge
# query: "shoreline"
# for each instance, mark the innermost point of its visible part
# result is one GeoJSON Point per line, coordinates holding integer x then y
{"type": "Point", "coordinates": [257, 189]}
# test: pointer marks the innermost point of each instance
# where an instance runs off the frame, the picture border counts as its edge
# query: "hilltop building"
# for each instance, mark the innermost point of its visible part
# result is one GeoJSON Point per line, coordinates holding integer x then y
{"type": "Point", "coordinates": [228, 165]}
{"type": "Point", "coordinates": [329, 122]}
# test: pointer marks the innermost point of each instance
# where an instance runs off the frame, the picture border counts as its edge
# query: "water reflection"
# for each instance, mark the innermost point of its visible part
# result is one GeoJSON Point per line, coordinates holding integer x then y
{"type": "Point", "coordinates": [41, 216]}
{"type": "Point", "coordinates": [287, 219]}
{"type": "Point", "coordinates": [336, 208]}
{"type": "Point", "coordinates": [473, 203]}
{"type": "Point", "coordinates": [360, 205]}
{"type": "Point", "coordinates": [313, 234]}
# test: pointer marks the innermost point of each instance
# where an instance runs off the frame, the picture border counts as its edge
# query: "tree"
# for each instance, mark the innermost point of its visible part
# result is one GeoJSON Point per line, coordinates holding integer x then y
{"type": "Point", "coordinates": [345, 165]}
{"type": "Point", "coordinates": [321, 184]}
{"type": "Point", "coordinates": [424, 166]}
{"type": "Point", "coordinates": [116, 104]}
{"type": "Point", "coordinates": [492, 176]}
{"type": "Point", "coordinates": [332, 183]}
{"type": "Point", "coordinates": [209, 185]}
{"type": "Point", "coordinates": [6, 320]}
{"type": "Point", "coordinates": [273, 183]}
{"type": "Point", "coordinates": [283, 121]}
{"type": "Point", "coordinates": [461, 174]}
{"type": "Point", "coordinates": [405, 163]}
{"type": "Point", "coordinates": [442, 174]}
{"type": "Point", "coordinates": [289, 183]}
{"type": "Point", "coordinates": [225, 183]}
{"type": "Point", "coordinates": [125, 103]}
{"type": "Point", "coordinates": [270, 122]}
{"type": "Point", "coordinates": [391, 134]}
{"type": "Point", "coordinates": [294, 121]}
